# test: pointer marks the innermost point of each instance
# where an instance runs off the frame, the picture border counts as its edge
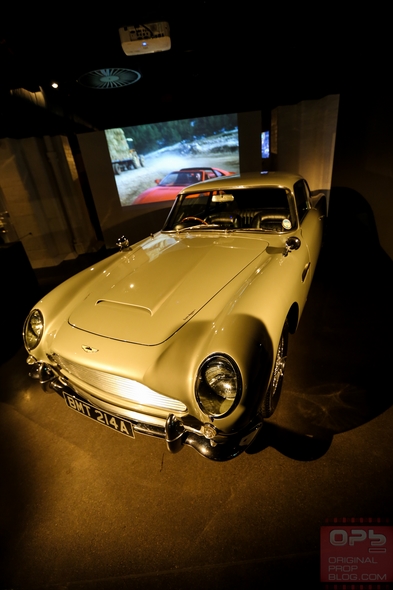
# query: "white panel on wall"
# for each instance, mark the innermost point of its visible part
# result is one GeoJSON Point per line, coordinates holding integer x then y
{"type": "Point", "coordinates": [306, 135]}
{"type": "Point", "coordinates": [44, 200]}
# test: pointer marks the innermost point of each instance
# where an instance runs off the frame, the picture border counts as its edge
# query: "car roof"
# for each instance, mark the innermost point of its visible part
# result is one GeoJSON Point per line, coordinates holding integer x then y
{"type": "Point", "coordinates": [188, 170]}
{"type": "Point", "coordinates": [192, 169]}
{"type": "Point", "coordinates": [246, 180]}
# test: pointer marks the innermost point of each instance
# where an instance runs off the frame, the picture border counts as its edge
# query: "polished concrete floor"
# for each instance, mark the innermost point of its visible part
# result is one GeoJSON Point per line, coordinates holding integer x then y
{"type": "Point", "coordinates": [83, 508]}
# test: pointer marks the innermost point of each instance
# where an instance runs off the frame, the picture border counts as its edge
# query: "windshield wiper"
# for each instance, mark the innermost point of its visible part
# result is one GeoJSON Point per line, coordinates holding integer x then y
{"type": "Point", "coordinates": [200, 226]}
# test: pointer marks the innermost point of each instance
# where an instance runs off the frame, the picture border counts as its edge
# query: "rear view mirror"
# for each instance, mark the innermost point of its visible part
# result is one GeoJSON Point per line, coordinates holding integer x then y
{"type": "Point", "coordinates": [225, 198]}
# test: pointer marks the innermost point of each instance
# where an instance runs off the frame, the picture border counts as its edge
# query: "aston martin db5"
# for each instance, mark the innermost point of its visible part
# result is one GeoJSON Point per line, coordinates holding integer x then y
{"type": "Point", "coordinates": [184, 335]}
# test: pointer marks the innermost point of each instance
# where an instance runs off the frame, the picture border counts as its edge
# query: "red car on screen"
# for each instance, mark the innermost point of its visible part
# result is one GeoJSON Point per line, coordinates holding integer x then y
{"type": "Point", "coordinates": [169, 187]}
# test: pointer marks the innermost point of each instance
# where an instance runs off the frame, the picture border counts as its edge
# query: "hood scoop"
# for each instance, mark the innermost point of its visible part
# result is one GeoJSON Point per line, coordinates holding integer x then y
{"type": "Point", "coordinates": [108, 304]}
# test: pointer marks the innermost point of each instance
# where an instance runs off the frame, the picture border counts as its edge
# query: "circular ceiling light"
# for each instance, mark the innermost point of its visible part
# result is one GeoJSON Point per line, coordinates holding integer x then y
{"type": "Point", "coordinates": [109, 78]}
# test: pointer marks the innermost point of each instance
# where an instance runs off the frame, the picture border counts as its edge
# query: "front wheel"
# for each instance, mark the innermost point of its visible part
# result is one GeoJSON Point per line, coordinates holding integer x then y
{"type": "Point", "coordinates": [272, 395]}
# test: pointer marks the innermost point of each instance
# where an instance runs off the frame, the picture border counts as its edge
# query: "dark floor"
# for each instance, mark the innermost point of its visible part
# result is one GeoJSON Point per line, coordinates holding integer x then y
{"type": "Point", "coordinates": [83, 508]}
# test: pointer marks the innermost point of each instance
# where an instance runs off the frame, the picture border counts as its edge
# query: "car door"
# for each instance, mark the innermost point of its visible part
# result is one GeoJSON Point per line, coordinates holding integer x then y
{"type": "Point", "coordinates": [310, 223]}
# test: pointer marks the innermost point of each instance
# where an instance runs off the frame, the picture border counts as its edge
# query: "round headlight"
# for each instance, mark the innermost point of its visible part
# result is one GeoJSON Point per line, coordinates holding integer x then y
{"type": "Point", "coordinates": [33, 329]}
{"type": "Point", "coordinates": [218, 386]}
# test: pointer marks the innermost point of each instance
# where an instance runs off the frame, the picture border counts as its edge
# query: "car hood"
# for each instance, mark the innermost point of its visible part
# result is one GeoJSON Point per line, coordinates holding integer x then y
{"type": "Point", "coordinates": [151, 292]}
{"type": "Point", "coordinates": [159, 193]}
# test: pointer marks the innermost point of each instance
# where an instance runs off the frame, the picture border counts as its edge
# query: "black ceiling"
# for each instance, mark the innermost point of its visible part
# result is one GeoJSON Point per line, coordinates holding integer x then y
{"type": "Point", "coordinates": [221, 60]}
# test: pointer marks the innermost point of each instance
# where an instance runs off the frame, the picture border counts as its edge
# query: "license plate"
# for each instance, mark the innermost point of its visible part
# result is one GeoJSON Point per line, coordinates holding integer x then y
{"type": "Point", "coordinates": [114, 422]}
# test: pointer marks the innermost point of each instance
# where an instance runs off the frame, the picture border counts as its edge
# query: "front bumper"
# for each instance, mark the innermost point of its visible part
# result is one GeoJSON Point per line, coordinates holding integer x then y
{"type": "Point", "coordinates": [206, 439]}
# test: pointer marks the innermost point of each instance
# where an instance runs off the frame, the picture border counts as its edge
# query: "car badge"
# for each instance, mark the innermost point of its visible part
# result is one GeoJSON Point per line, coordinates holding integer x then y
{"type": "Point", "coordinates": [89, 348]}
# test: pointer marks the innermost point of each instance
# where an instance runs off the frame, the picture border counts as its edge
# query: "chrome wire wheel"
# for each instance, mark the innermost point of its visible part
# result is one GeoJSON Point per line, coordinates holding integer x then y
{"type": "Point", "coordinates": [272, 395]}
{"type": "Point", "coordinates": [279, 366]}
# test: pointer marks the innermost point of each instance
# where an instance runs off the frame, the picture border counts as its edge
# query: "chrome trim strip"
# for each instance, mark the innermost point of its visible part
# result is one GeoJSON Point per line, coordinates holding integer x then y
{"type": "Point", "coordinates": [121, 387]}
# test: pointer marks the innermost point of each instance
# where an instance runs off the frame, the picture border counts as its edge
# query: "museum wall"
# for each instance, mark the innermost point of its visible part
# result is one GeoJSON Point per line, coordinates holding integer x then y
{"type": "Point", "coordinates": [303, 137]}
{"type": "Point", "coordinates": [363, 161]}
{"type": "Point", "coordinates": [40, 191]}
{"type": "Point", "coordinates": [138, 221]}
{"type": "Point", "coordinates": [115, 220]}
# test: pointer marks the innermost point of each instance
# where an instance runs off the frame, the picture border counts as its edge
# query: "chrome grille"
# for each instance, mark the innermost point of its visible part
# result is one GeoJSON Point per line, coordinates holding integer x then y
{"type": "Point", "coordinates": [120, 386]}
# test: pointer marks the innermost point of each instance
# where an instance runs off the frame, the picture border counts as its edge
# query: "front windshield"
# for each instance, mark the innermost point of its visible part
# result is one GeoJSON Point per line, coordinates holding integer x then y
{"type": "Point", "coordinates": [268, 209]}
{"type": "Point", "coordinates": [181, 178]}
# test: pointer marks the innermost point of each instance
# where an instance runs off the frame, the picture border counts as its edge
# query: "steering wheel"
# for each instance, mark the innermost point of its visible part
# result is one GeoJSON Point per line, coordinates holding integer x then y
{"type": "Point", "coordinates": [196, 219]}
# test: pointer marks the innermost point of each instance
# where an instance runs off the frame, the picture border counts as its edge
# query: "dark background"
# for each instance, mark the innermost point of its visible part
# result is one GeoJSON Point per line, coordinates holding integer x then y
{"type": "Point", "coordinates": [223, 59]}
{"type": "Point", "coordinates": [85, 509]}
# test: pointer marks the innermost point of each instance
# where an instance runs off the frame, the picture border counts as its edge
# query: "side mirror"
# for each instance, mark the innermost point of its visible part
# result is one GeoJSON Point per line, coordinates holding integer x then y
{"type": "Point", "coordinates": [123, 242]}
{"type": "Point", "coordinates": [292, 244]}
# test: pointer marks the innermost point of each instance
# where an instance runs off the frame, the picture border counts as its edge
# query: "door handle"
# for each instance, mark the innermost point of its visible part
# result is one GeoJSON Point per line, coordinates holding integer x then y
{"type": "Point", "coordinates": [305, 271]}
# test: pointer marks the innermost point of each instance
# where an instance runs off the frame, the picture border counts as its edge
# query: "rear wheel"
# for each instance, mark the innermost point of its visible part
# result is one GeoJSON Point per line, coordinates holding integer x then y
{"type": "Point", "coordinates": [272, 395]}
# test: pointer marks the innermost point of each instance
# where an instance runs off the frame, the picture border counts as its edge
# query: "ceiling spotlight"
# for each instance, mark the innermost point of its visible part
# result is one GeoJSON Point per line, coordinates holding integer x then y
{"type": "Point", "coordinates": [54, 85]}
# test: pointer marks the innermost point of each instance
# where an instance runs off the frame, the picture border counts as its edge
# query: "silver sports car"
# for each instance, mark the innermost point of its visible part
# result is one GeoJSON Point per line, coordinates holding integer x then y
{"type": "Point", "coordinates": [184, 335]}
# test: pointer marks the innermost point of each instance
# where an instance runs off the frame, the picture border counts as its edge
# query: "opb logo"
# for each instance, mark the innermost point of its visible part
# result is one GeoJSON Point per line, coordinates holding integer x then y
{"type": "Point", "coordinates": [340, 537]}
{"type": "Point", "coordinates": [356, 553]}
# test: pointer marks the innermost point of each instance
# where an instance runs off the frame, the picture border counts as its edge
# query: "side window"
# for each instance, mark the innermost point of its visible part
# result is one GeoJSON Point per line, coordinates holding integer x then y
{"type": "Point", "coordinates": [302, 198]}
